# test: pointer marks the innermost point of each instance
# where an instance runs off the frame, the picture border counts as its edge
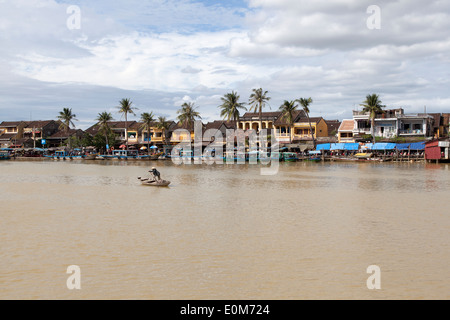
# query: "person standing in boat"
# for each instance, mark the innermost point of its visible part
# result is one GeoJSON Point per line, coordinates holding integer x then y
{"type": "Point", "coordinates": [156, 174]}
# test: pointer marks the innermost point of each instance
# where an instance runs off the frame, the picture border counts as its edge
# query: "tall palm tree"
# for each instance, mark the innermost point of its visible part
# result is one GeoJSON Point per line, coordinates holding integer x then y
{"type": "Point", "coordinates": [373, 106]}
{"type": "Point", "coordinates": [67, 117]}
{"type": "Point", "coordinates": [187, 115]}
{"type": "Point", "coordinates": [164, 125]}
{"type": "Point", "coordinates": [103, 120]}
{"type": "Point", "coordinates": [147, 119]}
{"type": "Point", "coordinates": [125, 107]}
{"type": "Point", "coordinates": [257, 101]}
{"type": "Point", "coordinates": [305, 105]}
{"type": "Point", "coordinates": [229, 109]}
{"type": "Point", "coordinates": [288, 109]}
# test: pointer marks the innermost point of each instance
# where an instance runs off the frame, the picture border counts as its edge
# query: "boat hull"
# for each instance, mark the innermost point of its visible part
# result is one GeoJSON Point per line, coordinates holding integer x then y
{"type": "Point", "coordinates": [154, 183]}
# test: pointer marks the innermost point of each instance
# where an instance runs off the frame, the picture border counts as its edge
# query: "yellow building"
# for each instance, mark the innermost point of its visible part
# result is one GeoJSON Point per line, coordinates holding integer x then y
{"type": "Point", "coordinates": [301, 128]}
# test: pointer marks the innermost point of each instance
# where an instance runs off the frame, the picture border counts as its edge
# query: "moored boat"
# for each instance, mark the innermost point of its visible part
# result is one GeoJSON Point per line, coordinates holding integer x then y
{"type": "Point", "coordinates": [4, 155]}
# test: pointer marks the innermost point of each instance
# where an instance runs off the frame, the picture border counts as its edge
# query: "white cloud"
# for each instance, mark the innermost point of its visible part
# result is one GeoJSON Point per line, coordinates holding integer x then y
{"type": "Point", "coordinates": [161, 51]}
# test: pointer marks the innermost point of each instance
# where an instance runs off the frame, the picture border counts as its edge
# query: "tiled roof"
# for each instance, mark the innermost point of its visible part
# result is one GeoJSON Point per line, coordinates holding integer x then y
{"type": "Point", "coordinates": [10, 124]}
{"type": "Point", "coordinates": [346, 125]}
{"type": "Point", "coordinates": [38, 124]}
{"type": "Point", "coordinates": [63, 134]}
{"type": "Point", "coordinates": [254, 116]}
{"type": "Point", "coordinates": [7, 136]}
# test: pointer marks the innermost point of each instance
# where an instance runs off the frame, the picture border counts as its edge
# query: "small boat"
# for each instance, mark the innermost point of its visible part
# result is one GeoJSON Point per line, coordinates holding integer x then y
{"type": "Point", "coordinates": [4, 156]}
{"type": "Point", "coordinates": [156, 183]}
{"type": "Point", "coordinates": [290, 156]}
{"type": "Point", "coordinates": [363, 155]}
{"type": "Point", "coordinates": [91, 156]}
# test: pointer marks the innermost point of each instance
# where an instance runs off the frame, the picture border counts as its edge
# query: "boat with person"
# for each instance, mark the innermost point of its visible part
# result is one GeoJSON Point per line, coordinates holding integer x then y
{"type": "Point", "coordinates": [153, 182]}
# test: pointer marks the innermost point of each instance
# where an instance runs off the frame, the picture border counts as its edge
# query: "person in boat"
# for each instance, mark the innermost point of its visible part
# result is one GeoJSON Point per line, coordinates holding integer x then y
{"type": "Point", "coordinates": [156, 174]}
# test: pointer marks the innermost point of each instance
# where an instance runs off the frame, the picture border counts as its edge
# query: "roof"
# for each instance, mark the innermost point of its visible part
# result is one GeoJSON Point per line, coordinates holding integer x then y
{"type": "Point", "coordinates": [346, 125]}
{"type": "Point", "coordinates": [381, 146]}
{"type": "Point", "coordinates": [181, 125]}
{"type": "Point", "coordinates": [411, 146]}
{"type": "Point", "coordinates": [297, 114]}
{"type": "Point", "coordinates": [254, 116]}
{"type": "Point", "coordinates": [219, 123]}
{"type": "Point", "coordinates": [344, 146]}
{"type": "Point", "coordinates": [10, 124]}
{"type": "Point", "coordinates": [63, 134]}
{"type": "Point", "coordinates": [38, 123]}
{"type": "Point", "coordinates": [333, 125]}
{"type": "Point", "coordinates": [7, 136]}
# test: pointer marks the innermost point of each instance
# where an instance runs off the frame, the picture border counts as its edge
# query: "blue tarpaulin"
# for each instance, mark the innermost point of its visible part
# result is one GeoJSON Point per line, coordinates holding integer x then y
{"type": "Point", "coordinates": [351, 146]}
{"type": "Point", "coordinates": [323, 146]}
{"type": "Point", "coordinates": [418, 146]}
{"type": "Point", "coordinates": [381, 146]}
{"type": "Point", "coordinates": [411, 146]}
{"type": "Point", "coordinates": [337, 146]}
{"type": "Point", "coordinates": [403, 146]}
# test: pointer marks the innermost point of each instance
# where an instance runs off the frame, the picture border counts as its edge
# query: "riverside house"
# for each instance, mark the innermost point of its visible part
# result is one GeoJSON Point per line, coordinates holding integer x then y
{"type": "Point", "coordinates": [389, 124]}
{"type": "Point", "coordinates": [26, 134]}
{"type": "Point", "coordinates": [300, 131]}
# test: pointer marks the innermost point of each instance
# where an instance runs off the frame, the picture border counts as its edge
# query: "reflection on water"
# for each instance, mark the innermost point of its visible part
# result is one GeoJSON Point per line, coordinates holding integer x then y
{"type": "Point", "coordinates": [224, 231]}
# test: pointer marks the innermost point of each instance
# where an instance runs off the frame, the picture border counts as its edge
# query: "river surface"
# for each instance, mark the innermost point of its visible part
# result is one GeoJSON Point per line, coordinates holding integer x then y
{"type": "Point", "coordinates": [224, 231]}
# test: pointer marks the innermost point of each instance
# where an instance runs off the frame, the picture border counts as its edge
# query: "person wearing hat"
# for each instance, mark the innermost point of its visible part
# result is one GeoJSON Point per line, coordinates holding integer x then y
{"type": "Point", "coordinates": [156, 174]}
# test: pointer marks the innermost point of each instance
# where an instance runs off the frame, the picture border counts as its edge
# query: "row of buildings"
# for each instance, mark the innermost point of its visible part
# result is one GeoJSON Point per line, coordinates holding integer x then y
{"type": "Point", "coordinates": [390, 124]}
{"type": "Point", "coordinates": [394, 123]}
{"type": "Point", "coordinates": [29, 134]}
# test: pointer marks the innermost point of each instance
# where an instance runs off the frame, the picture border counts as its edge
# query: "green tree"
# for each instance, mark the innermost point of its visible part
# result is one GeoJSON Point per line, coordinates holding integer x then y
{"type": "Point", "coordinates": [288, 109]}
{"type": "Point", "coordinates": [373, 106]}
{"type": "Point", "coordinates": [258, 100]}
{"type": "Point", "coordinates": [103, 120]}
{"type": "Point", "coordinates": [187, 115]}
{"type": "Point", "coordinates": [163, 125]}
{"type": "Point", "coordinates": [125, 107]}
{"type": "Point", "coordinates": [229, 109]}
{"type": "Point", "coordinates": [67, 117]}
{"type": "Point", "coordinates": [305, 105]}
{"type": "Point", "coordinates": [147, 118]}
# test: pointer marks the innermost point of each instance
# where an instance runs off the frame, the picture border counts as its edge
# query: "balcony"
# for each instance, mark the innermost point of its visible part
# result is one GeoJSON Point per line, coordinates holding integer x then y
{"type": "Point", "coordinates": [410, 132]}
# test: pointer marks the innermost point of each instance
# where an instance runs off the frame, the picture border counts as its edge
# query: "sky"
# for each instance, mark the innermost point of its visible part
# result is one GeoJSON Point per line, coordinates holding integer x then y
{"type": "Point", "coordinates": [88, 55]}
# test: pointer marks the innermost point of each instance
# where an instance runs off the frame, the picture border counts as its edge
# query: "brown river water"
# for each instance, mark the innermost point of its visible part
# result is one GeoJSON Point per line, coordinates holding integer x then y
{"type": "Point", "coordinates": [224, 231]}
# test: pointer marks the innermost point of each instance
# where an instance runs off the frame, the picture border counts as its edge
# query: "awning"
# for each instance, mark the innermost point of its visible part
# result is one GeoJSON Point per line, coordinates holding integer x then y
{"type": "Point", "coordinates": [381, 146]}
{"type": "Point", "coordinates": [337, 146]}
{"type": "Point", "coordinates": [351, 146]}
{"type": "Point", "coordinates": [323, 146]}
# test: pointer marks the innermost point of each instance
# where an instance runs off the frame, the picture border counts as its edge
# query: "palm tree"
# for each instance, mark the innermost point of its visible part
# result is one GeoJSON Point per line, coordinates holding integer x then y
{"type": "Point", "coordinates": [305, 105]}
{"type": "Point", "coordinates": [147, 119]}
{"type": "Point", "coordinates": [373, 106]}
{"type": "Point", "coordinates": [187, 115]}
{"type": "Point", "coordinates": [258, 100]}
{"type": "Point", "coordinates": [164, 125]}
{"type": "Point", "coordinates": [125, 107]}
{"type": "Point", "coordinates": [288, 109]}
{"type": "Point", "coordinates": [103, 121]}
{"type": "Point", "coordinates": [230, 106]}
{"type": "Point", "coordinates": [67, 117]}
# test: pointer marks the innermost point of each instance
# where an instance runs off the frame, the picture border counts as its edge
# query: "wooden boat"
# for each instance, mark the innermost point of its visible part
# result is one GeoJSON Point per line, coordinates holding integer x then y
{"type": "Point", "coordinates": [290, 156]}
{"type": "Point", "coordinates": [156, 183]}
{"type": "Point", "coordinates": [363, 155]}
{"type": "Point", "coordinates": [90, 156]}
